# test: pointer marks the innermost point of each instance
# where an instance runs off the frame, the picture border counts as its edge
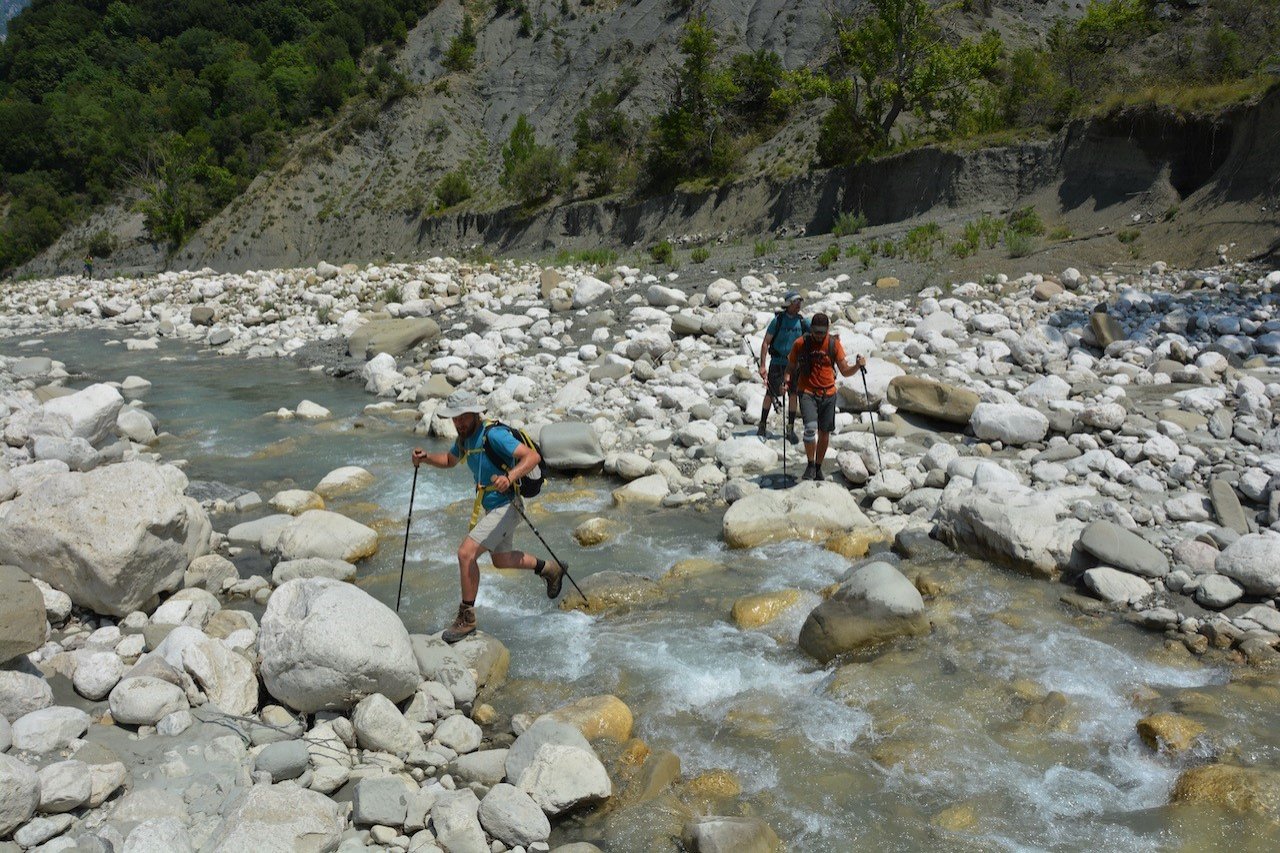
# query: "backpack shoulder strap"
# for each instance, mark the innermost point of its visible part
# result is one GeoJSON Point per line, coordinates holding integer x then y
{"type": "Point", "coordinates": [489, 449]}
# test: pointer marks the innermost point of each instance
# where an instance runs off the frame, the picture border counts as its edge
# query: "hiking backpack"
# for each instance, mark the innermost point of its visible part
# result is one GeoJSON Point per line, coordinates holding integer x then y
{"type": "Point", "coordinates": [804, 361]}
{"type": "Point", "coordinates": [530, 484]}
{"type": "Point", "coordinates": [804, 330]}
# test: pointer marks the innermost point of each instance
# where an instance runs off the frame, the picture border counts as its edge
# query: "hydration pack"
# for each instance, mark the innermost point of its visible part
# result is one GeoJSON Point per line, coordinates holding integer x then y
{"type": "Point", "coordinates": [530, 484]}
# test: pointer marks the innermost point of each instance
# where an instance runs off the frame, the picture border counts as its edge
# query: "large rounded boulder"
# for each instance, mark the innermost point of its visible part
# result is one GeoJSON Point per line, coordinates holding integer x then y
{"type": "Point", "coordinates": [325, 645]}
{"type": "Point", "coordinates": [814, 511]}
{"type": "Point", "coordinates": [876, 604]}
{"type": "Point", "coordinates": [111, 539]}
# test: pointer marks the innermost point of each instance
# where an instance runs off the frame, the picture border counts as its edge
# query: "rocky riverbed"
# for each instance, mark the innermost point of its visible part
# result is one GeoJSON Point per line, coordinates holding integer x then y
{"type": "Point", "coordinates": [1115, 435]}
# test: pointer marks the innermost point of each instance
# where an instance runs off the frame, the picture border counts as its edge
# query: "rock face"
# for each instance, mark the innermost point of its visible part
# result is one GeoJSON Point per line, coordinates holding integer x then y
{"type": "Point", "coordinates": [280, 817]}
{"type": "Point", "coordinates": [809, 511]}
{"type": "Point", "coordinates": [570, 446]}
{"type": "Point", "coordinates": [1010, 423]}
{"type": "Point", "coordinates": [878, 603]}
{"type": "Point", "coordinates": [111, 538]}
{"type": "Point", "coordinates": [325, 645]}
{"type": "Point", "coordinates": [1010, 524]}
{"type": "Point", "coordinates": [1253, 561]}
{"type": "Point", "coordinates": [393, 337]}
{"type": "Point", "coordinates": [932, 399]}
{"type": "Point", "coordinates": [320, 533]}
{"type": "Point", "coordinates": [22, 617]}
{"type": "Point", "coordinates": [1115, 546]}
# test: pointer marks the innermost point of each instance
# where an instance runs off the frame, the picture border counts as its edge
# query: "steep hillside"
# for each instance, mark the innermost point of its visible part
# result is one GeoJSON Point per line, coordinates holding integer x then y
{"type": "Point", "coordinates": [364, 186]}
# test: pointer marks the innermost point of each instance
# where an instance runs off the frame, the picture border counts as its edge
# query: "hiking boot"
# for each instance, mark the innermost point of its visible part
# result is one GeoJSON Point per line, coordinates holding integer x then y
{"type": "Point", "coordinates": [809, 472]}
{"type": "Point", "coordinates": [463, 626]}
{"type": "Point", "coordinates": [791, 435]}
{"type": "Point", "coordinates": [817, 473]}
{"type": "Point", "coordinates": [553, 574]}
{"type": "Point", "coordinates": [762, 430]}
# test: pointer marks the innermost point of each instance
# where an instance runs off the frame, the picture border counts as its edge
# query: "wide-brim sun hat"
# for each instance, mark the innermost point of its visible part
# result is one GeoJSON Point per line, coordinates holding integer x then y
{"type": "Point", "coordinates": [461, 403]}
{"type": "Point", "coordinates": [791, 296]}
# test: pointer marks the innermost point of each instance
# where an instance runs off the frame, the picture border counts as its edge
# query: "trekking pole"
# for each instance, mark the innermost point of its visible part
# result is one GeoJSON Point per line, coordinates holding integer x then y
{"type": "Point", "coordinates": [778, 406]}
{"type": "Point", "coordinates": [563, 565]}
{"type": "Point", "coordinates": [866, 390]}
{"type": "Point", "coordinates": [412, 491]}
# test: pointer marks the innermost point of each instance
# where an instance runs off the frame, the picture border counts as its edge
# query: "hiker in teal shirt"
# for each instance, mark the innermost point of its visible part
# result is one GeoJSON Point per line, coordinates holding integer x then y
{"type": "Point", "coordinates": [494, 517]}
{"type": "Point", "coordinates": [784, 330]}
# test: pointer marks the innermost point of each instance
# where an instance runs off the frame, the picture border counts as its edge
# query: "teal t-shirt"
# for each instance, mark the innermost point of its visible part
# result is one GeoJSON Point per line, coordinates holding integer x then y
{"type": "Point", "coordinates": [786, 330]}
{"type": "Point", "coordinates": [472, 452]}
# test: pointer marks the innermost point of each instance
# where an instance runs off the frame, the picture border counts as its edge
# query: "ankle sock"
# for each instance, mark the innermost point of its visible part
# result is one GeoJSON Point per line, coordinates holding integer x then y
{"type": "Point", "coordinates": [539, 566]}
{"type": "Point", "coordinates": [471, 603]}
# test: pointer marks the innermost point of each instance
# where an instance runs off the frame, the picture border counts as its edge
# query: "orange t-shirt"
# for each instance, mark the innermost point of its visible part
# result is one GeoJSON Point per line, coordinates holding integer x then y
{"type": "Point", "coordinates": [822, 370]}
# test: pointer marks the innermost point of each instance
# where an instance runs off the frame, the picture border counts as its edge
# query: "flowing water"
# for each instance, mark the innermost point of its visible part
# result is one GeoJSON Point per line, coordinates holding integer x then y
{"type": "Point", "coordinates": [1011, 727]}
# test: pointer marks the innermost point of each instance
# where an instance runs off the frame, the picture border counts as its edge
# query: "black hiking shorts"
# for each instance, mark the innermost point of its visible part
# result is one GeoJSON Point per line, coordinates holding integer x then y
{"type": "Point", "coordinates": [777, 373]}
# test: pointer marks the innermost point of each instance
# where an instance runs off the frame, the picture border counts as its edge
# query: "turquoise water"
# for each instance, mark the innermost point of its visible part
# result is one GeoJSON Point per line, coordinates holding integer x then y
{"type": "Point", "coordinates": [873, 754]}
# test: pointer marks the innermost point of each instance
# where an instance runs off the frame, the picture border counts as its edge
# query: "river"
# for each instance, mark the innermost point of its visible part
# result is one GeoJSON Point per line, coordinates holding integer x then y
{"type": "Point", "coordinates": [1011, 727]}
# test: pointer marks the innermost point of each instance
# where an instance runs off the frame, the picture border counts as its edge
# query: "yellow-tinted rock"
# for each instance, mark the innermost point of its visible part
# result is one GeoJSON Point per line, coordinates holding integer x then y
{"type": "Point", "coordinates": [961, 818]}
{"type": "Point", "coordinates": [1171, 732]}
{"type": "Point", "coordinates": [887, 282]}
{"type": "Point", "coordinates": [854, 544]}
{"type": "Point", "coordinates": [692, 567]}
{"type": "Point", "coordinates": [1025, 688]}
{"type": "Point", "coordinates": [598, 717]}
{"type": "Point", "coordinates": [594, 531]}
{"type": "Point", "coordinates": [610, 590]}
{"type": "Point", "coordinates": [754, 611]}
{"type": "Point", "coordinates": [634, 753]}
{"type": "Point", "coordinates": [1240, 789]}
{"type": "Point", "coordinates": [928, 585]}
{"type": "Point", "coordinates": [715, 783]}
{"type": "Point", "coordinates": [484, 714]}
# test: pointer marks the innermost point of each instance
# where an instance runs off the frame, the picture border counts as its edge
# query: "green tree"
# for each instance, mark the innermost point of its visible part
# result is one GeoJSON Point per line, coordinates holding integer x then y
{"type": "Point", "coordinates": [686, 140]}
{"type": "Point", "coordinates": [461, 54]}
{"type": "Point", "coordinates": [604, 138]}
{"type": "Point", "coordinates": [902, 63]}
{"type": "Point", "coordinates": [178, 188]}
{"type": "Point", "coordinates": [531, 172]}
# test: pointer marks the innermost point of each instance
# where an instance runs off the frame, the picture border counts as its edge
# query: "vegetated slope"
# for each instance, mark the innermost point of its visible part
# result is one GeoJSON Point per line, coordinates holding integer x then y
{"type": "Point", "coordinates": [8, 10]}
{"type": "Point", "coordinates": [365, 186]}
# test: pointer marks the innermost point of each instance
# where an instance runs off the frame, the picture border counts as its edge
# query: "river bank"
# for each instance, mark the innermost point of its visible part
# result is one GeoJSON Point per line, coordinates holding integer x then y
{"type": "Point", "coordinates": [665, 401]}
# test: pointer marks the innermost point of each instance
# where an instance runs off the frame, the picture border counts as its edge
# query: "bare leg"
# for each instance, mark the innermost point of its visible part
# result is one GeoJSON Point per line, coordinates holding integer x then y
{"type": "Point", "coordinates": [514, 560]}
{"type": "Point", "coordinates": [824, 438]}
{"type": "Point", "coordinates": [468, 568]}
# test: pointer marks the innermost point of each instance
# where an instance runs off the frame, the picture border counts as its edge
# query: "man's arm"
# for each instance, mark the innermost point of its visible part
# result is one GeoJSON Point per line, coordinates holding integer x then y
{"type": "Point", "coordinates": [526, 460]}
{"type": "Point", "coordinates": [435, 460]}
{"type": "Point", "coordinates": [764, 350]}
{"type": "Point", "coordinates": [847, 369]}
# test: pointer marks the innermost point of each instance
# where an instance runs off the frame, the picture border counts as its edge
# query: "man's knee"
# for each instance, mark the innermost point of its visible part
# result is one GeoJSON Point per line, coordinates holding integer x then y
{"type": "Point", "coordinates": [469, 550]}
{"type": "Point", "coordinates": [810, 432]}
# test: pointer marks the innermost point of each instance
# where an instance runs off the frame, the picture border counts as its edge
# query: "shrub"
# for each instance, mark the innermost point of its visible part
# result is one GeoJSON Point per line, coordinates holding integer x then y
{"type": "Point", "coordinates": [461, 55]}
{"type": "Point", "coordinates": [663, 253]}
{"type": "Point", "coordinates": [829, 256]}
{"type": "Point", "coordinates": [920, 242]}
{"type": "Point", "coordinates": [1019, 243]}
{"type": "Point", "coordinates": [101, 244]}
{"type": "Point", "coordinates": [1060, 232]}
{"type": "Point", "coordinates": [861, 254]}
{"type": "Point", "coordinates": [762, 248]}
{"type": "Point", "coordinates": [848, 223]}
{"type": "Point", "coordinates": [453, 188]}
{"type": "Point", "coordinates": [1026, 221]}
{"type": "Point", "coordinates": [699, 255]}
{"type": "Point", "coordinates": [539, 177]}
{"type": "Point", "coordinates": [587, 257]}
{"type": "Point", "coordinates": [392, 293]}
{"type": "Point", "coordinates": [1127, 235]}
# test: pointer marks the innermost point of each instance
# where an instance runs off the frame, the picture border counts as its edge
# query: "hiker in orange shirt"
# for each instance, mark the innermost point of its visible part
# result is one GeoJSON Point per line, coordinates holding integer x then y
{"type": "Point", "coordinates": [812, 367]}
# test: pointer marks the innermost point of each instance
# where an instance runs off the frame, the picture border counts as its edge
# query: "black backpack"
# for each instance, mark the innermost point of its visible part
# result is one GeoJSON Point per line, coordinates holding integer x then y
{"type": "Point", "coordinates": [804, 330]}
{"type": "Point", "coordinates": [531, 483]}
{"type": "Point", "coordinates": [804, 361]}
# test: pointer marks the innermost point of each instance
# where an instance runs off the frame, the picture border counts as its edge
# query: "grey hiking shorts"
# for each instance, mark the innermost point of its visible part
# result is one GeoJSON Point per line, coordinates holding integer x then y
{"type": "Point", "coordinates": [818, 413]}
{"type": "Point", "coordinates": [496, 529]}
